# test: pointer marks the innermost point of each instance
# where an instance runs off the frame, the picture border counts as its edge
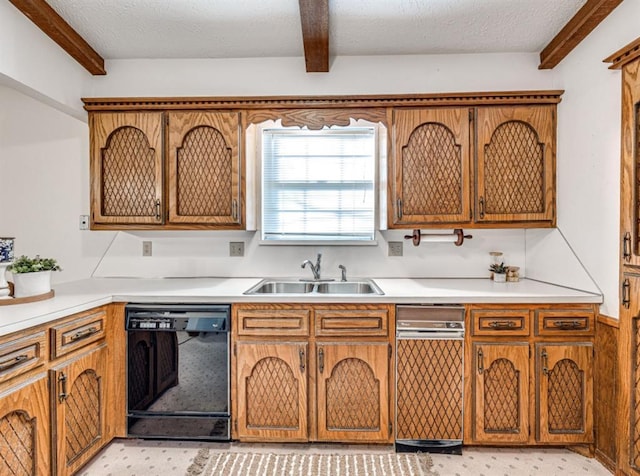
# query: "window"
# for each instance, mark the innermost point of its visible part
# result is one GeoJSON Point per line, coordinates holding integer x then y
{"type": "Point", "coordinates": [318, 185]}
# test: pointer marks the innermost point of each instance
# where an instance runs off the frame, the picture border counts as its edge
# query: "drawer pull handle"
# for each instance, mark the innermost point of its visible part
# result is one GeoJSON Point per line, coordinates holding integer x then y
{"type": "Point", "coordinates": [568, 324]}
{"type": "Point", "coordinates": [545, 362]}
{"type": "Point", "coordinates": [83, 334]}
{"type": "Point", "coordinates": [7, 364]}
{"type": "Point", "coordinates": [302, 365]}
{"type": "Point", "coordinates": [62, 396]}
{"type": "Point", "coordinates": [480, 362]}
{"type": "Point", "coordinates": [502, 324]}
{"type": "Point", "coordinates": [321, 360]}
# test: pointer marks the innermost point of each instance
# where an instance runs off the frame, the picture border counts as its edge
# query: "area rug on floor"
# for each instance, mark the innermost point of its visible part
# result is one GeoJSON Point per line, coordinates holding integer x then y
{"type": "Point", "coordinates": [209, 463]}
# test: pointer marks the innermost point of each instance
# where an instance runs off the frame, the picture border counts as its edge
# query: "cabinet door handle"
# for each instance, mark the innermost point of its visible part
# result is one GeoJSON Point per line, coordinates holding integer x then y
{"type": "Point", "coordinates": [480, 362]}
{"type": "Point", "coordinates": [502, 324]}
{"type": "Point", "coordinates": [83, 334]}
{"type": "Point", "coordinates": [234, 209]}
{"type": "Point", "coordinates": [545, 362]}
{"type": "Point", "coordinates": [399, 208]}
{"type": "Point", "coordinates": [302, 364]}
{"type": "Point", "coordinates": [626, 299]}
{"type": "Point", "coordinates": [321, 360]}
{"type": "Point", "coordinates": [62, 396]}
{"type": "Point", "coordinates": [158, 209]}
{"type": "Point", "coordinates": [567, 324]}
{"type": "Point", "coordinates": [481, 205]}
{"type": "Point", "coordinates": [626, 247]}
{"type": "Point", "coordinates": [7, 364]}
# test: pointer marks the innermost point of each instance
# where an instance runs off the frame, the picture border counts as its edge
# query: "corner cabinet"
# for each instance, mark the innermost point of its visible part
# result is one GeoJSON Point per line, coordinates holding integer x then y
{"type": "Point", "coordinates": [473, 166]}
{"type": "Point", "coordinates": [292, 384]}
{"type": "Point", "coordinates": [165, 170]}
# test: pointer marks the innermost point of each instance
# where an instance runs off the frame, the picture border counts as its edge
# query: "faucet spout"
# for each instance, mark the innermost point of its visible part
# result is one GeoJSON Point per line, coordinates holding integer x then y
{"type": "Point", "coordinates": [315, 269]}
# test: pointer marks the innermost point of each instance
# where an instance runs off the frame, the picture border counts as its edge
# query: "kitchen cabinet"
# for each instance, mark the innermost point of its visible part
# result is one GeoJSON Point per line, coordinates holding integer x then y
{"type": "Point", "coordinates": [530, 387]}
{"type": "Point", "coordinates": [312, 372]}
{"type": "Point", "coordinates": [25, 428]}
{"type": "Point", "coordinates": [165, 170]}
{"type": "Point", "coordinates": [78, 406]}
{"type": "Point", "coordinates": [473, 166]}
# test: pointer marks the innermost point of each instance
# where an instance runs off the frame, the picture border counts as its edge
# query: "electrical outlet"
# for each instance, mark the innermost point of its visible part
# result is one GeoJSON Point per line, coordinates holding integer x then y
{"type": "Point", "coordinates": [395, 248]}
{"type": "Point", "coordinates": [84, 222]}
{"type": "Point", "coordinates": [146, 248]}
{"type": "Point", "coordinates": [236, 248]}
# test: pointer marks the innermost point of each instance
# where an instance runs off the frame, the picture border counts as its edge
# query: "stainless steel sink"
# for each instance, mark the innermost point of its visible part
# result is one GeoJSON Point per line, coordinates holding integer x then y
{"type": "Point", "coordinates": [282, 286]}
{"type": "Point", "coordinates": [349, 287]}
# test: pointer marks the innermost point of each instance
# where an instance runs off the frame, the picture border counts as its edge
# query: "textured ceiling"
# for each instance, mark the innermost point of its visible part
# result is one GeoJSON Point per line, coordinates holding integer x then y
{"type": "Point", "coordinates": [271, 28]}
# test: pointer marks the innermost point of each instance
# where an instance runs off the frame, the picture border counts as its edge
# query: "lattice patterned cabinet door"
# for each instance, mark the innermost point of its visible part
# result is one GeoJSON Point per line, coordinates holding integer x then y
{"type": "Point", "coordinates": [271, 391]}
{"type": "Point", "coordinates": [501, 392]}
{"type": "Point", "coordinates": [126, 168]}
{"type": "Point", "coordinates": [204, 168]}
{"type": "Point", "coordinates": [431, 167]}
{"type": "Point", "coordinates": [24, 429]}
{"type": "Point", "coordinates": [565, 388]}
{"type": "Point", "coordinates": [79, 409]}
{"type": "Point", "coordinates": [516, 164]}
{"type": "Point", "coordinates": [353, 392]}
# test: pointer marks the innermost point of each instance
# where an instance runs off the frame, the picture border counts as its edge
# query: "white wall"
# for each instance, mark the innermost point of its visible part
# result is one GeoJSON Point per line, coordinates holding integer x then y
{"type": "Point", "coordinates": [44, 185]}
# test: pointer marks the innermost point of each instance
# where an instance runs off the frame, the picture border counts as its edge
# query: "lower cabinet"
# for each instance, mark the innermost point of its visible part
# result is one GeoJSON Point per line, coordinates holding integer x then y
{"type": "Point", "coordinates": [78, 405]}
{"type": "Point", "coordinates": [531, 389]}
{"type": "Point", "coordinates": [25, 428]}
{"type": "Point", "coordinates": [294, 385]}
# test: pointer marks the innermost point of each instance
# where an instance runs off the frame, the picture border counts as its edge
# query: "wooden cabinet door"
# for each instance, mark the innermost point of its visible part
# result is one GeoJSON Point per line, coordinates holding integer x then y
{"type": "Point", "coordinates": [78, 406]}
{"type": "Point", "coordinates": [515, 164]}
{"type": "Point", "coordinates": [353, 392]}
{"type": "Point", "coordinates": [25, 428]}
{"type": "Point", "coordinates": [630, 166]}
{"type": "Point", "coordinates": [500, 392]}
{"type": "Point", "coordinates": [126, 168]}
{"type": "Point", "coordinates": [272, 391]}
{"type": "Point", "coordinates": [565, 392]}
{"type": "Point", "coordinates": [430, 167]}
{"type": "Point", "coordinates": [204, 168]}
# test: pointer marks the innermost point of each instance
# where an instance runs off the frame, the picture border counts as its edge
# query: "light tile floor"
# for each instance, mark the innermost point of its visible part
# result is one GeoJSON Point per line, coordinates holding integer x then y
{"type": "Point", "coordinates": [169, 458]}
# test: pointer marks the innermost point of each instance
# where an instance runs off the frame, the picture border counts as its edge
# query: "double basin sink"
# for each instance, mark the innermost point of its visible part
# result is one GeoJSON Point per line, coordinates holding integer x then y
{"type": "Point", "coordinates": [284, 286]}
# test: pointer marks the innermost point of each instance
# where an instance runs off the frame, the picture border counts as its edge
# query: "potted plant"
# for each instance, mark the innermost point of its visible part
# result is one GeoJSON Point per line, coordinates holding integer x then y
{"type": "Point", "coordinates": [32, 276]}
{"type": "Point", "coordinates": [499, 272]}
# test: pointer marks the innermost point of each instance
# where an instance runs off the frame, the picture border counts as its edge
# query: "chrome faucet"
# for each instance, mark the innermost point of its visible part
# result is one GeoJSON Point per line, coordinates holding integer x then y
{"type": "Point", "coordinates": [343, 270]}
{"type": "Point", "coordinates": [315, 269]}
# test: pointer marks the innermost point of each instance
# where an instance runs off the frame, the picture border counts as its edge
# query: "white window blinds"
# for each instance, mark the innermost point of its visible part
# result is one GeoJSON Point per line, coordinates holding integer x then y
{"type": "Point", "coordinates": [318, 185]}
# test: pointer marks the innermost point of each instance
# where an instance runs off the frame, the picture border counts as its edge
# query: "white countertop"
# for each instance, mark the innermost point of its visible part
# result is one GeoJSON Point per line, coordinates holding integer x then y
{"type": "Point", "coordinates": [85, 294]}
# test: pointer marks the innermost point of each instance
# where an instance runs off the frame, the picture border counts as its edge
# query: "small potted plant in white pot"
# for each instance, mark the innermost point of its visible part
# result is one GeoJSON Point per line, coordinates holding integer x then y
{"type": "Point", "coordinates": [499, 272]}
{"type": "Point", "coordinates": [32, 276]}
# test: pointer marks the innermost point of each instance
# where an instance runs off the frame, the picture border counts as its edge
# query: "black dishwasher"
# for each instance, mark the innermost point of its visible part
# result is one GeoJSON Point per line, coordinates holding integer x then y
{"type": "Point", "coordinates": [429, 378]}
{"type": "Point", "coordinates": [178, 371]}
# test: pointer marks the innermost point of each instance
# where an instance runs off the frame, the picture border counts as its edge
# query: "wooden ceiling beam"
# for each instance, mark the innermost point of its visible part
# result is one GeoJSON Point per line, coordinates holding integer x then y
{"type": "Point", "coordinates": [314, 16]}
{"type": "Point", "coordinates": [576, 30]}
{"type": "Point", "coordinates": [56, 28]}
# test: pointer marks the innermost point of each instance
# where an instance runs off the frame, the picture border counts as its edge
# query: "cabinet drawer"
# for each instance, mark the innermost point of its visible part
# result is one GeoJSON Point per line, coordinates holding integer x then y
{"type": "Point", "coordinates": [78, 332]}
{"type": "Point", "coordinates": [352, 322]}
{"type": "Point", "coordinates": [276, 322]}
{"type": "Point", "coordinates": [22, 354]}
{"type": "Point", "coordinates": [508, 322]}
{"type": "Point", "coordinates": [578, 322]}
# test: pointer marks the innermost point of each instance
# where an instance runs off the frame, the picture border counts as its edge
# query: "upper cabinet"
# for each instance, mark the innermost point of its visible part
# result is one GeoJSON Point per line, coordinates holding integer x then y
{"type": "Point", "coordinates": [484, 166]}
{"type": "Point", "coordinates": [165, 170]}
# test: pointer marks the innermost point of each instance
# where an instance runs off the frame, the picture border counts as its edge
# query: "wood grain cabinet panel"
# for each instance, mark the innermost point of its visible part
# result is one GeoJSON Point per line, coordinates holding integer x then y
{"type": "Point", "coordinates": [564, 376]}
{"type": "Point", "coordinates": [577, 322]}
{"type": "Point", "coordinates": [269, 322]}
{"type": "Point", "coordinates": [349, 322]}
{"type": "Point", "coordinates": [78, 399]}
{"type": "Point", "coordinates": [204, 167]}
{"type": "Point", "coordinates": [84, 329]}
{"type": "Point", "coordinates": [272, 387]}
{"type": "Point", "coordinates": [21, 354]}
{"type": "Point", "coordinates": [503, 322]}
{"type": "Point", "coordinates": [515, 164]}
{"type": "Point", "coordinates": [431, 166]}
{"type": "Point", "coordinates": [126, 168]}
{"type": "Point", "coordinates": [25, 428]}
{"type": "Point", "coordinates": [353, 392]}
